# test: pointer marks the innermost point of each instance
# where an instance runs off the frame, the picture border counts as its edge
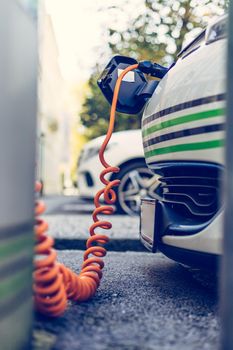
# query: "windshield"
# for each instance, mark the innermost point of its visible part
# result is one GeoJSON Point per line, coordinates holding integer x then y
{"type": "Point", "coordinates": [193, 45]}
{"type": "Point", "coordinates": [217, 31]}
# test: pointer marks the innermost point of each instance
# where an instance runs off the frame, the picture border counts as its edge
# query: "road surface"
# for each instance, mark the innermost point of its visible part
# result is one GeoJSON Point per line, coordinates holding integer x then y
{"type": "Point", "coordinates": [145, 301]}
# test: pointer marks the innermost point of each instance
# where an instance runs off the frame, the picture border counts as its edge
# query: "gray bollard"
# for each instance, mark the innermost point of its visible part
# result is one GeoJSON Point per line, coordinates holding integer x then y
{"type": "Point", "coordinates": [18, 71]}
{"type": "Point", "coordinates": [227, 261]}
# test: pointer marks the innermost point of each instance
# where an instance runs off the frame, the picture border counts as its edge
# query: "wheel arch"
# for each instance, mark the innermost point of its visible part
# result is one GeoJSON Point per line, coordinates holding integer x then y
{"type": "Point", "coordinates": [128, 163]}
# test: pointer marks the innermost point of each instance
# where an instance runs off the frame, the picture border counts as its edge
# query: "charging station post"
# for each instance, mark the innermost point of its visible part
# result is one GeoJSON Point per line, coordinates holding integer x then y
{"type": "Point", "coordinates": [227, 260]}
{"type": "Point", "coordinates": [18, 101]}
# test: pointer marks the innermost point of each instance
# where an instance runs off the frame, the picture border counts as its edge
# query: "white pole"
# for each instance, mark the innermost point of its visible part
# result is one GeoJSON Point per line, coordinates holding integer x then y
{"type": "Point", "coordinates": [18, 72]}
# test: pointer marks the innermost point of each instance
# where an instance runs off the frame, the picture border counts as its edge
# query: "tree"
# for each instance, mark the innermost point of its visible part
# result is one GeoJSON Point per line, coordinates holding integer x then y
{"type": "Point", "coordinates": [95, 113]}
{"type": "Point", "coordinates": [156, 35]}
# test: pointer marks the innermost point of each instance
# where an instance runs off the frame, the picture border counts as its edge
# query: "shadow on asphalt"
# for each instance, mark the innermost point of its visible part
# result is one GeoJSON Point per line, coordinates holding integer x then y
{"type": "Point", "coordinates": [202, 280]}
{"type": "Point", "coordinates": [62, 205]}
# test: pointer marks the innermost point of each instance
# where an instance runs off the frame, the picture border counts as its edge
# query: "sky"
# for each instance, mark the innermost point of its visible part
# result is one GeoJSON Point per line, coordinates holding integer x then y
{"type": "Point", "coordinates": [80, 29]}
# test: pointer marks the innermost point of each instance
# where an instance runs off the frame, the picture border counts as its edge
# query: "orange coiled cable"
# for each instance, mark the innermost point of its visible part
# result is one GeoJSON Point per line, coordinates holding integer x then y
{"type": "Point", "coordinates": [54, 283]}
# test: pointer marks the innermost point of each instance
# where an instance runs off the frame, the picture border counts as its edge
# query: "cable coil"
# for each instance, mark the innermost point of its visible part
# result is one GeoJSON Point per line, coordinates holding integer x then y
{"type": "Point", "coordinates": [54, 283]}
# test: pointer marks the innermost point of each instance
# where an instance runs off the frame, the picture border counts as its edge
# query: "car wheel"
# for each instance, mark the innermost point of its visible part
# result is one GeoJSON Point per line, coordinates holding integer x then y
{"type": "Point", "coordinates": [137, 182]}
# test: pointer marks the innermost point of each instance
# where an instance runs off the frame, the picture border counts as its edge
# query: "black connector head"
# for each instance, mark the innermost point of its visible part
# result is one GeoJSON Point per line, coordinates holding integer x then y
{"type": "Point", "coordinates": [135, 88]}
{"type": "Point", "coordinates": [153, 69]}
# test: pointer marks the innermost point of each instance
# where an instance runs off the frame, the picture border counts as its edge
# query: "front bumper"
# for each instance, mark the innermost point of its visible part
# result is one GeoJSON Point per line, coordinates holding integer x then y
{"type": "Point", "coordinates": [157, 229]}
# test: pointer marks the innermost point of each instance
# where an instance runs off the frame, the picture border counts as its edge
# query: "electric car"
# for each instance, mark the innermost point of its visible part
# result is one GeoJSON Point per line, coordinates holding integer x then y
{"type": "Point", "coordinates": [126, 151]}
{"type": "Point", "coordinates": [183, 140]}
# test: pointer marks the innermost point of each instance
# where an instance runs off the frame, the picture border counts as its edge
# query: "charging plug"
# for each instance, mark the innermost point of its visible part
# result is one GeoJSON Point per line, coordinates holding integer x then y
{"type": "Point", "coordinates": [153, 69]}
{"type": "Point", "coordinates": [135, 88]}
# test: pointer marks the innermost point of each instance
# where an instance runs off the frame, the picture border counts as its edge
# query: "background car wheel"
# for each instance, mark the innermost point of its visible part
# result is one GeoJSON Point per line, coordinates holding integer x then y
{"type": "Point", "coordinates": [137, 182]}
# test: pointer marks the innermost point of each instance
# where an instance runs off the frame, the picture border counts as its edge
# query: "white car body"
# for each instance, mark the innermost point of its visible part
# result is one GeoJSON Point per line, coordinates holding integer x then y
{"type": "Point", "coordinates": [123, 147]}
{"type": "Point", "coordinates": [183, 125]}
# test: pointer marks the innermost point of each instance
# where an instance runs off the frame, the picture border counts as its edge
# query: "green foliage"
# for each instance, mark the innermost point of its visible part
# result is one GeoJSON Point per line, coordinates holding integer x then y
{"type": "Point", "coordinates": [95, 113]}
{"type": "Point", "coordinates": [156, 35]}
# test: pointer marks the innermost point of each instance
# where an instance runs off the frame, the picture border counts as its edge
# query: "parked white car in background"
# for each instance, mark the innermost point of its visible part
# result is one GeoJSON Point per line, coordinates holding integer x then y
{"type": "Point", "coordinates": [125, 150]}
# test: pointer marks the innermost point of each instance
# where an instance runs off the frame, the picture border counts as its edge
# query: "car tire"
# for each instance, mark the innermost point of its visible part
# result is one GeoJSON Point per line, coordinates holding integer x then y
{"type": "Point", "coordinates": [137, 181]}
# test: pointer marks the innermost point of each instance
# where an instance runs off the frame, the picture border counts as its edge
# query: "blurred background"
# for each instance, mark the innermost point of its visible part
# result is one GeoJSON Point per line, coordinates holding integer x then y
{"type": "Point", "coordinates": [76, 40]}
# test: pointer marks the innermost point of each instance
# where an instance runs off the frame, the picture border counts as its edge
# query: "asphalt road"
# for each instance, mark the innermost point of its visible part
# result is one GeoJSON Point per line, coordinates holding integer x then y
{"type": "Point", "coordinates": [145, 301]}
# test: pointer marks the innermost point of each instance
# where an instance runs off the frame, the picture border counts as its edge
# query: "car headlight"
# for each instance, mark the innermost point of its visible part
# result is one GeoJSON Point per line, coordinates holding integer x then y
{"type": "Point", "coordinates": [217, 31]}
{"type": "Point", "coordinates": [87, 154]}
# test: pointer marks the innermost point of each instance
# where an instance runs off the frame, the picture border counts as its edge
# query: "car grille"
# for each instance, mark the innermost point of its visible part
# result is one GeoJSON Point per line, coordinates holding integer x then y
{"type": "Point", "coordinates": [193, 195]}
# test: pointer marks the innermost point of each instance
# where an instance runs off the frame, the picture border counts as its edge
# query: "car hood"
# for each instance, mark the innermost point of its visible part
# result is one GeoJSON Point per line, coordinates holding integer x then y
{"type": "Point", "coordinates": [116, 137]}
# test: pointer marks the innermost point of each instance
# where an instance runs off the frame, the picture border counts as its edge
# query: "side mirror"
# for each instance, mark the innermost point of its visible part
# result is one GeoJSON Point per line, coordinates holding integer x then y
{"type": "Point", "coordinates": [135, 89]}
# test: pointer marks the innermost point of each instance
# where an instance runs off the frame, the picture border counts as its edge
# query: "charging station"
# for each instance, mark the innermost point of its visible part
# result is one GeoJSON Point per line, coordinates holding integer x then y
{"type": "Point", "coordinates": [18, 100]}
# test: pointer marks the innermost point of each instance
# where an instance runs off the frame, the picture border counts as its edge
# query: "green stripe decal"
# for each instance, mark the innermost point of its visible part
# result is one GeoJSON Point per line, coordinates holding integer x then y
{"type": "Point", "coordinates": [185, 147]}
{"type": "Point", "coordinates": [15, 283]}
{"type": "Point", "coordinates": [15, 246]}
{"type": "Point", "coordinates": [184, 119]}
